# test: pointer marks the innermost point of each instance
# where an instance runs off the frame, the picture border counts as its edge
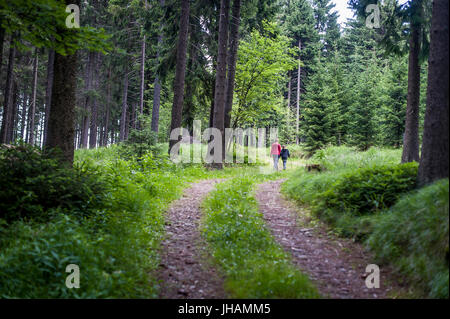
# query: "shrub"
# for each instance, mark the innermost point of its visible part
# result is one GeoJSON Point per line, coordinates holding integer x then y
{"type": "Point", "coordinates": [34, 256]}
{"type": "Point", "coordinates": [414, 236]}
{"type": "Point", "coordinates": [140, 141]}
{"type": "Point", "coordinates": [33, 183]}
{"type": "Point", "coordinates": [347, 195]}
{"type": "Point", "coordinates": [370, 189]}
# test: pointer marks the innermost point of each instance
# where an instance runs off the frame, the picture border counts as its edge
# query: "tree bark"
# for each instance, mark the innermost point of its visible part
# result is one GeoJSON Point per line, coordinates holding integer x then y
{"type": "Point", "coordinates": [2, 41]}
{"type": "Point", "coordinates": [434, 159]}
{"type": "Point", "coordinates": [14, 127]}
{"type": "Point", "coordinates": [108, 110]}
{"type": "Point", "coordinates": [180, 72]}
{"type": "Point", "coordinates": [221, 73]}
{"type": "Point", "coordinates": [87, 100]}
{"type": "Point", "coordinates": [156, 103]}
{"type": "Point", "coordinates": [142, 88]}
{"type": "Point", "coordinates": [94, 111]}
{"type": "Point", "coordinates": [411, 138]}
{"type": "Point", "coordinates": [289, 91]}
{"type": "Point", "coordinates": [61, 125]}
{"type": "Point", "coordinates": [297, 123]}
{"type": "Point", "coordinates": [123, 118]}
{"type": "Point", "coordinates": [232, 58]}
{"type": "Point", "coordinates": [33, 101]}
{"type": "Point", "coordinates": [157, 85]}
{"type": "Point", "coordinates": [23, 116]}
{"type": "Point", "coordinates": [48, 91]}
{"type": "Point", "coordinates": [133, 116]}
{"type": "Point", "coordinates": [7, 100]}
{"type": "Point", "coordinates": [211, 107]}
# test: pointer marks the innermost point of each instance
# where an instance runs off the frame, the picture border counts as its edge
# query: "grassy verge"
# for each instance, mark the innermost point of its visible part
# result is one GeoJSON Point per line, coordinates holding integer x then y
{"type": "Point", "coordinates": [115, 244]}
{"type": "Point", "coordinates": [370, 197]}
{"type": "Point", "coordinates": [254, 264]}
{"type": "Point", "coordinates": [414, 236]}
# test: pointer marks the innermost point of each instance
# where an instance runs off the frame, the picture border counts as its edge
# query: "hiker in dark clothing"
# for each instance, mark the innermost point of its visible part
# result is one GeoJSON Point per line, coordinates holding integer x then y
{"type": "Point", "coordinates": [284, 154]}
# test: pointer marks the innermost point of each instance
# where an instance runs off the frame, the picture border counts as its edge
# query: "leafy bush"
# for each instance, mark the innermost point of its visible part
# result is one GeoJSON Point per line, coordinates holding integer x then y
{"type": "Point", "coordinates": [32, 184]}
{"type": "Point", "coordinates": [255, 266]}
{"type": "Point", "coordinates": [409, 228]}
{"type": "Point", "coordinates": [116, 245]}
{"type": "Point", "coordinates": [34, 256]}
{"type": "Point", "coordinates": [347, 194]}
{"type": "Point", "coordinates": [370, 189]}
{"type": "Point", "coordinates": [414, 236]}
{"type": "Point", "coordinates": [140, 141]}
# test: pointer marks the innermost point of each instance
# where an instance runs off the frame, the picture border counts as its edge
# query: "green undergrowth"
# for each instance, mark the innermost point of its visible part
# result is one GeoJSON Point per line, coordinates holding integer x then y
{"type": "Point", "coordinates": [347, 195]}
{"type": "Point", "coordinates": [254, 264]}
{"type": "Point", "coordinates": [112, 232]}
{"type": "Point", "coordinates": [414, 236]}
{"type": "Point", "coordinates": [371, 198]}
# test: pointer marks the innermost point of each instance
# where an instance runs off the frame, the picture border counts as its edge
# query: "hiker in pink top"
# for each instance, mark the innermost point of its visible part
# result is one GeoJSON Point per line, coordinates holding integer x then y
{"type": "Point", "coordinates": [275, 152]}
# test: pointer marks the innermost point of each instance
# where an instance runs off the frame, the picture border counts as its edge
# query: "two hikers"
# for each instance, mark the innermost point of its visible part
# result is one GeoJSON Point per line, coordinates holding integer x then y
{"type": "Point", "coordinates": [277, 151]}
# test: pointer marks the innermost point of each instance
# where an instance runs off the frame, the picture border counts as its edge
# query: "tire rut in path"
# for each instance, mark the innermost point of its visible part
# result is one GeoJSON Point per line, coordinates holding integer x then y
{"type": "Point", "coordinates": [337, 266]}
{"type": "Point", "coordinates": [184, 271]}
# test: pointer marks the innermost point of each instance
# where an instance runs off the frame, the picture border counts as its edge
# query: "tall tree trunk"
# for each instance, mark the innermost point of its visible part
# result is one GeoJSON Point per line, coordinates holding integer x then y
{"type": "Point", "coordinates": [156, 103]}
{"type": "Point", "coordinates": [94, 111]}
{"type": "Point", "coordinates": [48, 90]}
{"type": "Point", "coordinates": [123, 118]}
{"type": "Point", "coordinates": [128, 123]}
{"type": "Point", "coordinates": [157, 85]}
{"type": "Point", "coordinates": [180, 72]}
{"type": "Point", "coordinates": [221, 74]}
{"type": "Point", "coordinates": [108, 109]}
{"type": "Point", "coordinates": [142, 88]}
{"type": "Point", "coordinates": [289, 101]}
{"type": "Point", "coordinates": [188, 103]}
{"type": "Point", "coordinates": [61, 125]}
{"type": "Point", "coordinates": [14, 127]}
{"type": "Point", "coordinates": [133, 116]}
{"type": "Point", "coordinates": [34, 91]}
{"type": "Point", "coordinates": [434, 159]}
{"type": "Point", "coordinates": [23, 116]}
{"type": "Point", "coordinates": [411, 137]}
{"type": "Point", "coordinates": [2, 40]}
{"type": "Point", "coordinates": [88, 99]}
{"type": "Point", "coordinates": [211, 107]}
{"type": "Point", "coordinates": [232, 58]}
{"type": "Point", "coordinates": [297, 123]}
{"type": "Point", "coordinates": [289, 91]}
{"type": "Point", "coordinates": [7, 100]}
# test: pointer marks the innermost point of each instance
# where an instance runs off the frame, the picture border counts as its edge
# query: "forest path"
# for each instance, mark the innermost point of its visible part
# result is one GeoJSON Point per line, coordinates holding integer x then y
{"type": "Point", "coordinates": [184, 269]}
{"type": "Point", "coordinates": [336, 266]}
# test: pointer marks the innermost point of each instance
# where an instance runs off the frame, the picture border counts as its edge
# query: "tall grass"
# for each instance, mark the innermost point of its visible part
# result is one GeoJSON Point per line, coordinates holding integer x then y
{"type": "Point", "coordinates": [370, 197]}
{"type": "Point", "coordinates": [116, 246]}
{"type": "Point", "coordinates": [414, 236]}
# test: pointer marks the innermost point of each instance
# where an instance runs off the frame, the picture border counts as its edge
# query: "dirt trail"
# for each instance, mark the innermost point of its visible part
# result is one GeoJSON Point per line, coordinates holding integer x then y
{"type": "Point", "coordinates": [337, 266]}
{"type": "Point", "coordinates": [184, 270]}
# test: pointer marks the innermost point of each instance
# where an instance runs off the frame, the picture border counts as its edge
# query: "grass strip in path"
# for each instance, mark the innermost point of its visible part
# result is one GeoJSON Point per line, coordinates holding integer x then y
{"type": "Point", "coordinates": [255, 266]}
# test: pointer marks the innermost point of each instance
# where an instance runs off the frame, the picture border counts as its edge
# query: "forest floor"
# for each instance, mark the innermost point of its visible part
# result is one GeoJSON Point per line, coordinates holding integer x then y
{"type": "Point", "coordinates": [185, 271]}
{"type": "Point", "coordinates": [335, 265]}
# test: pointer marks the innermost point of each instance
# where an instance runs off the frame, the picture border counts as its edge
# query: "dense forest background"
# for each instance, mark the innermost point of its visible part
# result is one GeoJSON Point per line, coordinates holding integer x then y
{"type": "Point", "coordinates": [91, 90]}
{"type": "Point", "coordinates": [297, 69]}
